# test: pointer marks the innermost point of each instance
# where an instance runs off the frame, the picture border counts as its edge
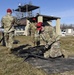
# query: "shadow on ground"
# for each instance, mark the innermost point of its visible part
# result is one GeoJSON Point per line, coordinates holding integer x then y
{"type": "Point", "coordinates": [51, 65]}
{"type": "Point", "coordinates": [57, 65]}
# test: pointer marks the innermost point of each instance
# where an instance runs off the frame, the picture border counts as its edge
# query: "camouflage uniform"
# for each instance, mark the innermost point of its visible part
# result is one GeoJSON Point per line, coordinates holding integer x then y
{"type": "Point", "coordinates": [50, 36]}
{"type": "Point", "coordinates": [7, 23]}
{"type": "Point", "coordinates": [38, 33]}
{"type": "Point", "coordinates": [37, 38]}
{"type": "Point", "coordinates": [33, 30]}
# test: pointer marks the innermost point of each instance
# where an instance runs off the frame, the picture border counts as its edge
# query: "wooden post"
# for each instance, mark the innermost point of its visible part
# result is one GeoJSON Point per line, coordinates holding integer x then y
{"type": "Point", "coordinates": [58, 31]}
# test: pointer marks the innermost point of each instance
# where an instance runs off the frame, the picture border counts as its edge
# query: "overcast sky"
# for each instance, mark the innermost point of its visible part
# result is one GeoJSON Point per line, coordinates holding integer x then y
{"type": "Point", "coordinates": [59, 8]}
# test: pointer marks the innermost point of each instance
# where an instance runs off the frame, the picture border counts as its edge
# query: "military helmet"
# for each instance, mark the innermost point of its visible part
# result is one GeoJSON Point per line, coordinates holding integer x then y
{"type": "Point", "coordinates": [9, 10]}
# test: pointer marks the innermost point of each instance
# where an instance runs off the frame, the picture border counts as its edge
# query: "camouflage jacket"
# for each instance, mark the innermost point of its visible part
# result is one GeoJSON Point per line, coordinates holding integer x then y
{"type": "Point", "coordinates": [8, 23]}
{"type": "Point", "coordinates": [49, 34]}
{"type": "Point", "coordinates": [33, 28]}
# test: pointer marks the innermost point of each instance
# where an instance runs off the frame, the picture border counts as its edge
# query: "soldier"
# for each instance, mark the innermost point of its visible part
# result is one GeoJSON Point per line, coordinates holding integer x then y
{"type": "Point", "coordinates": [53, 40]}
{"type": "Point", "coordinates": [32, 29]}
{"type": "Point", "coordinates": [7, 23]}
{"type": "Point", "coordinates": [38, 32]}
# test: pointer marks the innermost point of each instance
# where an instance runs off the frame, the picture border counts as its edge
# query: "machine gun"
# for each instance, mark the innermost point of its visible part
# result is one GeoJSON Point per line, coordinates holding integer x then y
{"type": "Point", "coordinates": [2, 40]}
{"type": "Point", "coordinates": [36, 52]}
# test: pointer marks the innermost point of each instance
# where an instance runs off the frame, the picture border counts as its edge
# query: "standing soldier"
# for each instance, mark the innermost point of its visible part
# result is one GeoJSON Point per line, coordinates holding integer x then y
{"type": "Point", "coordinates": [33, 29]}
{"type": "Point", "coordinates": [7, 23]}
{"type": "Point", "coordinates": [39, 31]}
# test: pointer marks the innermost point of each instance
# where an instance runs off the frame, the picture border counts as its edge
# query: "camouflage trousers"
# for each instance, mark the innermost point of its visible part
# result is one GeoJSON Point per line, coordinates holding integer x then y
{"type": "Point", "coordinates": [37, 39]}
{"type": "Point", "coordinates": [54, 51]}
{"type": "Point", "coordinates": [9, 39]}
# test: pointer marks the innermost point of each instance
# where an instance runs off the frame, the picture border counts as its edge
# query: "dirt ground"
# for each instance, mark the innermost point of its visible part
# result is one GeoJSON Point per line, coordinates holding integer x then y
{"type": "Point", "coordinates": [10, 64]}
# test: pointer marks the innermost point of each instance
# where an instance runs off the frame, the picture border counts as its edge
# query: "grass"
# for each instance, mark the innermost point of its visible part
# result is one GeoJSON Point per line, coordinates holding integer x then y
{"type": "Point", "coordinates": [67, 43]}
{"type": "Point", "coordinates": [12, 65]}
